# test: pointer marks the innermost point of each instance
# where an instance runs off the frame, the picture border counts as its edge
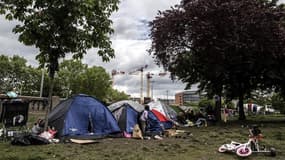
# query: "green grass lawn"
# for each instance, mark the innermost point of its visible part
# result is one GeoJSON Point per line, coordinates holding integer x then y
{"type": "Point", "coordinates": [202, 144]}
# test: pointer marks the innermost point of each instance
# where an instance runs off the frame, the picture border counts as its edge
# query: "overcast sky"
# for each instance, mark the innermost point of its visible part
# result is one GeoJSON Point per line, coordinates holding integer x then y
{"type": "Point", "coordinates": [130, 42]}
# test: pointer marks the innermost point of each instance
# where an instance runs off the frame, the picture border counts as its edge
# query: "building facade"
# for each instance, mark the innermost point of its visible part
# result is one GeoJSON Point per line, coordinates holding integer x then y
{"type": "Point", "coordinates": [167, 101]}
{"type": "Point", "coordinates": [186, 97]}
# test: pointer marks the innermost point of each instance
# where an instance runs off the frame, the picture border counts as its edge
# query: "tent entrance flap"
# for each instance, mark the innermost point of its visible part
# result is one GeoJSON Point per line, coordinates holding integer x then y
{"type": "Point", "coordinates": [90, 124]}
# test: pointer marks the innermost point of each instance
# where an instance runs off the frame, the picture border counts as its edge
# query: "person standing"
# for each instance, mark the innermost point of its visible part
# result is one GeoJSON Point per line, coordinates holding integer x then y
{"type": "Point", "coordinates": [226, 114]}
{"type": "Point", "coordinates": [254, 109]}
{"type": "Point", "coordinates": [249, 108]}
{"type": "Point", "coordinates": [143, 118]}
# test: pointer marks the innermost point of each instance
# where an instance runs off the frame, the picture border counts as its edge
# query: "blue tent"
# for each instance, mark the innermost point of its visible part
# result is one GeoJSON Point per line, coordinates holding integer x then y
{"type": "Point", "coordinates": [82, 115]}
{"type": "Point", "coordinates": [127, 114]}
{"type": "Point", "coordinates": [165, 122]}
{"type": "Point", "coordinates": [154, 125]}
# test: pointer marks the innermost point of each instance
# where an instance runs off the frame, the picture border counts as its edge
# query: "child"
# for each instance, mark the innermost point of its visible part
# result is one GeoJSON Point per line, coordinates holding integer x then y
{"type": "Point", "coordinates": [38, 127]}
{"type": "Point", "coordinates": [143, 119]}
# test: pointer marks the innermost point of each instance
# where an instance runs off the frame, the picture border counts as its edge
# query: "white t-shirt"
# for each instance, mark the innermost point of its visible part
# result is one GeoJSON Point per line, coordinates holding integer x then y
{"type": "Point", "coordinates": [144, 115]}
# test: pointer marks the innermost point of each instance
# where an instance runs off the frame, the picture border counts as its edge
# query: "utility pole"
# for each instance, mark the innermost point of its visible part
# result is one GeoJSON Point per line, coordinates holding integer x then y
{"type": "Point", "coordinates": [141, 85]}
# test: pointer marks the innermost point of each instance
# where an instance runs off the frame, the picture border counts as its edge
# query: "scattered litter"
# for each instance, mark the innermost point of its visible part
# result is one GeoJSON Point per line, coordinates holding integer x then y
{"type": "Point", "coordinates": [83, 141]}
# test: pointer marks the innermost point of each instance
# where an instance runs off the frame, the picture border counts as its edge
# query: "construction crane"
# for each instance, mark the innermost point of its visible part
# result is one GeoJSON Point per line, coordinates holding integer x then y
{"type": "Point", "coordinates": [136, 71]}
{"type": "Point", "coordinates": [149, 76]}
{"type": "Point", "coordinates": [152, 82]}
{"type": "Point", "coordinates": [114, 73]}
{"type": "Point", "coordinates": [140, 69]}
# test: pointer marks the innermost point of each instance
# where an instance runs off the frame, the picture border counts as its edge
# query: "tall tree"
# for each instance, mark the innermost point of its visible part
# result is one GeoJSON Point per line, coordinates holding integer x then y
{"type": "Point", "coordinates": [94, 81]}
{"type": "Point", "coordinates": [76, 77]}
{"type": "Point", "coordinates": [16, 74]}
{"type": "Point", "coordinates": [278, 102]}
{"type": "Point", "coordinates": [114, 95]}
{"type": "Point", "coordinates": [12, 73]}
{"type": "Point", "coordinates": [31, 82]}
{"type": "Point", "coordinates": [70, 71]}
{"type": "Point", "coordinates": [4, 65]}
{"type": "Point", "coordinates": [228, 46]}
{"type": "Point", "coordinates": [59, 27]}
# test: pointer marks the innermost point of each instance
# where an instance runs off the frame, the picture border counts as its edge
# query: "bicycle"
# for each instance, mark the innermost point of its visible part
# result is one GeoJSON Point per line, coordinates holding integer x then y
{"type": "Point", "coordinates": [251, 146]}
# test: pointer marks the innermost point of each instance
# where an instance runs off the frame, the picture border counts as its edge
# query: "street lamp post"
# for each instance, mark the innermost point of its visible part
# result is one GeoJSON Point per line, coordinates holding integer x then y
{"type": "Point", "coordinates": [22, 83]}
{"type": "Point", "coordinates": [42, 82]}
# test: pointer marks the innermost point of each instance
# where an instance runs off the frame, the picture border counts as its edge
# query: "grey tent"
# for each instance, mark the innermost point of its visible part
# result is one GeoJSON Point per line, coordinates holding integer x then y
{"type": "Point", "coordinates": [127, 114]}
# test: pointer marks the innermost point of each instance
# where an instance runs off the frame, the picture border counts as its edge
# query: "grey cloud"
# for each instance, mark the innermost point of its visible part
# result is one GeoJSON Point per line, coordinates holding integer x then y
{"type": "Point", "coordinates": [7, 26]}
{"type": "Point", "coordinates": [131, 21]}
{"type": "Point", "coordinates": [131, 55]}
{"type": "Point", "coordinates": [9, 44]}
{"type": "Point", "coordinates": [129, 41]}
{"type": "Point", "coordinates": [159, 85]}
{"type": "Point", "coordinates": [146, 9]}
{"type": "Point", "coordinates": [129, 28]}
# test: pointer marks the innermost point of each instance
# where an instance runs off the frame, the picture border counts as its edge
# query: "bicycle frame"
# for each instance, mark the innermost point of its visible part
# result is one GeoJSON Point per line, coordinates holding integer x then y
{"type": "Point", "coordinates": [246, 149]}
{"type": "Point", "coordinates": [233, 146]}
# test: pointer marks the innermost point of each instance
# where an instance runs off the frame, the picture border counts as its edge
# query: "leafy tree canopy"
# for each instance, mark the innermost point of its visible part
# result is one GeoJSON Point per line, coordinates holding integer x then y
{"type": "Point", "coordinates": [204, 103]}
{"type": "Point", "coordinates": [114, 95]}
{"type": "Point", "coordinates": [68, 76]}
{"type": "Point", "coordinates": [12, 72]}
{"type": "Point", "coordinates": [278, 102]}
{"type": "Point", "coordinates": [58, 27]}
{"type": "Point", "coordinates": [228, 46]}
{"type": "Point", "coordinates": [74, 77]}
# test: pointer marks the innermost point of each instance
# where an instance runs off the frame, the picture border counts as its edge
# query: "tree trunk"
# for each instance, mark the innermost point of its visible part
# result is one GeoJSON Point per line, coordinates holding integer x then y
{"type": "Point", "coordinates": [48, 109]}
{"type": "Point", "coordinates": [240, 107]}
{"type": "Point", "coordinates": [218, 104]}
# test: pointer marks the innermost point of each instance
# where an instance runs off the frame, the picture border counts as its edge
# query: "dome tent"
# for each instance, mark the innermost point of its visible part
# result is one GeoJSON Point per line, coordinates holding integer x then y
{"type": "Point", "coordinates": [82, 116]}
{"type": "Point", "coordinates": [126, 113]}
{"type": "Point", "coordinates": [166, 115]}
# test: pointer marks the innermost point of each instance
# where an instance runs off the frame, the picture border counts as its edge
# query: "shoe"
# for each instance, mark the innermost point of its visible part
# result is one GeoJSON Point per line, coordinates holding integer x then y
{"type": "Point", "coordinates": [146, 138]}
{"type": "Point", "coordinates": [158, 137]}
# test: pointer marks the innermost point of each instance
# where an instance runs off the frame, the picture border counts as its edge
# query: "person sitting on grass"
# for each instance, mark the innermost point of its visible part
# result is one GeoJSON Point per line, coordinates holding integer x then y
{"type": "Point", "coordinates": [38, 127]}
{"type": "Point", "coordinates": [200, 119]}
{"type": "Point", "coordinates": [181, 119]}
{"type": "Point", "coordinates": [190, 115]}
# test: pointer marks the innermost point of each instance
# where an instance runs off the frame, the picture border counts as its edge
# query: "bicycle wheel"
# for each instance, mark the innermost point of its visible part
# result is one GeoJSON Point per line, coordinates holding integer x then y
{"type": "Point", "coordinates": [244, 152]}
{"type": "Point", "coordinates": [222, 149]}
{"type": "Point", "coordinates": [272, 152]}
